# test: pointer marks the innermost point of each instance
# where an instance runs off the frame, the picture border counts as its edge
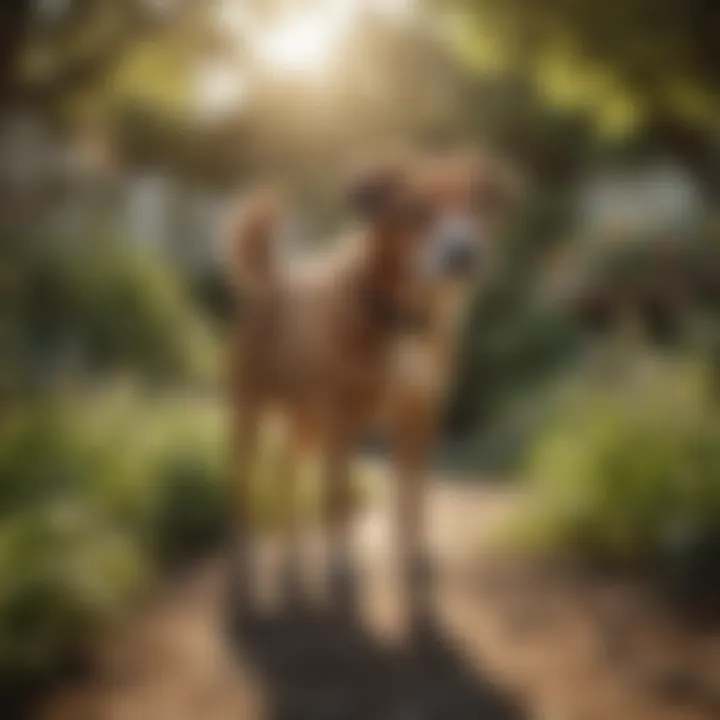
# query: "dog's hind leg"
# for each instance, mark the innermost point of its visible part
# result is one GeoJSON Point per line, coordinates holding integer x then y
{"type": "Point", "coordinates": [295, 454]}
{"type": "Point", "coordinates": [245, 439]}
{"type": "Point", "coordinates": [337, 492]}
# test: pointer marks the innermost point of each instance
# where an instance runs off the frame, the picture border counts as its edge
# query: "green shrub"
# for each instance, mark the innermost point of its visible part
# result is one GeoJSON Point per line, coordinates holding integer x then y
{"type": "Point", "coordinates": [631, 472]}
{"type": "Point", "coordinates": [96, 496]}
{"type": "Point", "coordinates": [102, 305]}
{"type": "Point", "coordinates": [65, 573]}
{"type": "Point", "coordinates": [135, 313]}
{"type": "Point", "coordinates": [191, 512]}
{"type": "Point", "coordinates": [189, 509]}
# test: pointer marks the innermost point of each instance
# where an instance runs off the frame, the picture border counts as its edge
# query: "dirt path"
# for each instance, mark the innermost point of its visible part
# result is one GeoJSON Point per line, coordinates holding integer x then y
{"type": "Point", "coordinates": [503, 645]}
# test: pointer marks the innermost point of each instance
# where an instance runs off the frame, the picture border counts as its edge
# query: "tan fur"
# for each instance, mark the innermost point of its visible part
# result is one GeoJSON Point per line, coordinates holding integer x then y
{"type": "Point", "coordinates": [310, 347]}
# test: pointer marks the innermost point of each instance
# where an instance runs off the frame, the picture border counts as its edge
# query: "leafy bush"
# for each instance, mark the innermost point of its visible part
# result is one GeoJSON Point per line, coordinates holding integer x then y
{"type": "Point", "coordinates": [513, 341]}
{"type": "Point", "coordinates": [631, 472]}
{"type": "Point", "coordinates": [103, 306]}
{"type": "Point", "coordinates": [135, 313]}
{"type": "Point", "coordinates": [96, 495]}
{"type": "Point", "coordinates": [65, 573]}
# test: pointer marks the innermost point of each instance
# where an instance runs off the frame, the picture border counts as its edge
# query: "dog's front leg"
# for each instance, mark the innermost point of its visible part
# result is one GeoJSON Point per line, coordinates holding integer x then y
{"type": "Point", "coordinates": [414, 437]}
{"type": "Point", "coordinates": [416, 405]}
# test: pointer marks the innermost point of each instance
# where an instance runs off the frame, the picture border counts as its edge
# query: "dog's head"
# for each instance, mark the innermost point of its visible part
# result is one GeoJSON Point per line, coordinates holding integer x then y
{"type": "Point", "coordinates": [436, 217]}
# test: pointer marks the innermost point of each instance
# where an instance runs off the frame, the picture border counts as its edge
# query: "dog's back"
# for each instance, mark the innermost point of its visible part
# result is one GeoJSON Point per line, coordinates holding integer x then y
{"type": "Point", "coordinates": [303, 342]}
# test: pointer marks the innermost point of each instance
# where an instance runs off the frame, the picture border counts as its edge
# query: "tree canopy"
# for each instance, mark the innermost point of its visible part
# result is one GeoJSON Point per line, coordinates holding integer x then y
{"type": "Point", "coordinates": [653, 64]}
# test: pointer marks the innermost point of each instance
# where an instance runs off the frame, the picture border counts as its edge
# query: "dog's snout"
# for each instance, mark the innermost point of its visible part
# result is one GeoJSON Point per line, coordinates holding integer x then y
{"type": "Point", "coordinates": [459, 256]}
{"type": "Point", "coordinates": [457, 241]}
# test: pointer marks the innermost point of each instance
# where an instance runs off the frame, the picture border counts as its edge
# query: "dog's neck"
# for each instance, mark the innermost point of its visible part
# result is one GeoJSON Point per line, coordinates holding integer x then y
{"type": "Point", "coordinates": [379, 288]}
{"type": "Point", "coordinates": [389, 302]}
{"type": "Point", "coordinates": [388, 314]}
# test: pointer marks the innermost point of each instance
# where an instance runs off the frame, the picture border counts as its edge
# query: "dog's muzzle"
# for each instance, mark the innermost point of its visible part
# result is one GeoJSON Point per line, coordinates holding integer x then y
{"type": "Point", "coordinates": [459, 259]}
{"type": "Point", "coordinates": [455, 249]}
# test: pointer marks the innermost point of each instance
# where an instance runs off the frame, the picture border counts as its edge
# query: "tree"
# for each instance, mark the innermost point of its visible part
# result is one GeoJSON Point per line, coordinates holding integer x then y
{"type": "Point", "coordinates": [653, 64]}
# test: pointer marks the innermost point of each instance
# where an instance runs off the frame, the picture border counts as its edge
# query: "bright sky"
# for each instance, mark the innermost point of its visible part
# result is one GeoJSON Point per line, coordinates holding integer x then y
{"type": "Point", "coordinates": [301, 43]}
{"type": "Point", "coordinates": [220, 88]}
{"type": "Point", "coordinates": [304, 39]}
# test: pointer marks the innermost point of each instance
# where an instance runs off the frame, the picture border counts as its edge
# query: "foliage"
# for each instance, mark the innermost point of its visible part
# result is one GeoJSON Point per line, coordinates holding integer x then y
{"type": "Point", "coordinates": [65, 574]}
{"type": "Point", "coordinates": [95, 498]}
{"type": "Point", "coordinates": [623, 51]}
{"type": "Point", "coordinates": [99, 488]}
{"type": "Point", "coordinates": [640, 68]}
{"type": "Point", "coordinates": [665, 279]}
{"type": "Point", "coordinates": [99, 306]}
{"type": "Point", "coordinates": [629, 472]}
{"type": "Point", "coordinates": [513, 342]}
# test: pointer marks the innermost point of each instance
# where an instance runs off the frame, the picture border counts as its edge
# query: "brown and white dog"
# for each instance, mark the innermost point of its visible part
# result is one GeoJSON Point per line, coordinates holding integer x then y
{"type": "Point", "coordinates": [363, 333]}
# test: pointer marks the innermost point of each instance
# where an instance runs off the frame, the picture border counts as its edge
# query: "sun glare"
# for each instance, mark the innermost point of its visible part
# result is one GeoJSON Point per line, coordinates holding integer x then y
{"type": "Point", "coordinates": [303, 43]}
{"type": "Point", "coordinates": [306, 42]}
{"type": "Point", "coordinates": [219, 89]}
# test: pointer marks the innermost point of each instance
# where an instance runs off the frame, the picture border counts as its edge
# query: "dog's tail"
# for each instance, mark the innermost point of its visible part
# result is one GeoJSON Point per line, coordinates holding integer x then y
{"type": "Point", "coordinates": [249, 236]}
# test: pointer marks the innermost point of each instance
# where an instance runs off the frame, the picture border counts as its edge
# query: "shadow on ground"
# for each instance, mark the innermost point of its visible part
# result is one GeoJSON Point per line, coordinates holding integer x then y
{"type": "Point", "coordinates": [321, 663]}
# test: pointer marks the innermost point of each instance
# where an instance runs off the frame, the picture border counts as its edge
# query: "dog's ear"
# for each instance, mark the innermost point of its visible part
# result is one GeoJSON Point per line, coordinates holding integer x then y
{"type": "Point", "coordinates": [372, 192]}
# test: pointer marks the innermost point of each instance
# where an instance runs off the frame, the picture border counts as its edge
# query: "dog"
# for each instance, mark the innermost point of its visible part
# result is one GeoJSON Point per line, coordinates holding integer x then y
{"type": "Point", "coordinates": [361, 334]}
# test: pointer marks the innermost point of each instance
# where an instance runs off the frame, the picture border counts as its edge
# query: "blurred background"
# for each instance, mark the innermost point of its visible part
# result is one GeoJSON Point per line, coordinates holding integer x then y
{"type": "Point", "coordinates": [589, 373]}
